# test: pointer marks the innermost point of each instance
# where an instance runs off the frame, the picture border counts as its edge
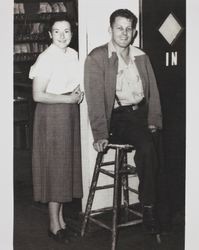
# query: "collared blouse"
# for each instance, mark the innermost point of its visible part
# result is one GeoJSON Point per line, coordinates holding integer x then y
{"type": "Point", "coordinates": [61, 69]}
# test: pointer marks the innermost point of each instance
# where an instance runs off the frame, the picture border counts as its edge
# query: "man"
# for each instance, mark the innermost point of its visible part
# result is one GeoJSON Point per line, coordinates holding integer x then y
{"type": "Point", "coordinates": [124, 104]}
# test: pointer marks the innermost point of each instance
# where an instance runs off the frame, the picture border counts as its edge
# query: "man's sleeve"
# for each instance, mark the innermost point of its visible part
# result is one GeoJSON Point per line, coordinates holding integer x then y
{"type": "Point", "coordinates": [154, 112]}
{"type": "Point", "coordinates": [94, 91]}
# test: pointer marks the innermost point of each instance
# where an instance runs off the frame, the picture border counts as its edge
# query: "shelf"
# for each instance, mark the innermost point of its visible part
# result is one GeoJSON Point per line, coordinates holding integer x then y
{"type": "Point", "coordinates": [38, 1]}
{"type": "Point", "coordinates": [37, 17]}
{"type": "Point", "coordinates": [25, 57]}
{"type": "Point", "coordinates": [39, 37]}
{"type": "Point", "coordinates": [24, 85]}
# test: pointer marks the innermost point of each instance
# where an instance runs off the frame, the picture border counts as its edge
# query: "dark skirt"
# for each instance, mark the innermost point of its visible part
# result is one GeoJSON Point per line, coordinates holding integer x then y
{"type": "Point", "coordinates": [56, 159]}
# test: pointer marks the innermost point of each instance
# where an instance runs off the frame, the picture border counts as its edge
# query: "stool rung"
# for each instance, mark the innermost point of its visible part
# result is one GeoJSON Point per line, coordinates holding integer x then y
{"type": "Point", "coordinates": [127, 171]}
{"type": "Point", "coordinates": [135, 212]}
{"type": "Point", "coordinates": [104, 187]}
{"type": "Point", "coordinates": [130, 223]}
{"type": "Point", "coordinates": [100, 223]}
{"type": "Point", "coordinates": [101, 210]}
{"type": "Point", "coordinates": [107, 163]}
{"type": "Point", "coordinates": [106, 172]}
{"type": "Point", "coordinates": [107, 209]}
{"type": "Point", "coordinates": [133, 190]}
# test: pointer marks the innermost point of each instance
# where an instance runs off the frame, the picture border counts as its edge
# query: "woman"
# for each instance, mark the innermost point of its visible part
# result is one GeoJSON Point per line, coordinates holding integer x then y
{"type": "Point", "coordinates": [56, 136]}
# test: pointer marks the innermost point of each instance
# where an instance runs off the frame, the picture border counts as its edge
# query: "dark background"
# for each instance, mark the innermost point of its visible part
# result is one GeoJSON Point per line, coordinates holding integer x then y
{"type": "Point", "coordinates": [172, 87]}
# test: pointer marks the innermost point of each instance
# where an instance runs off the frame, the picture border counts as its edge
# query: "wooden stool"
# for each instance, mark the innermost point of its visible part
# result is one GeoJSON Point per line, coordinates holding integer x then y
{"type": "Point", "coordinates": [120, 175]}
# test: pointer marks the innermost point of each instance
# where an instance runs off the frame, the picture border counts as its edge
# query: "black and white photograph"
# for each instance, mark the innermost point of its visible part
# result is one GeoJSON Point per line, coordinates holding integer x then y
{"type": "Point", "coordinates": [99, 151]}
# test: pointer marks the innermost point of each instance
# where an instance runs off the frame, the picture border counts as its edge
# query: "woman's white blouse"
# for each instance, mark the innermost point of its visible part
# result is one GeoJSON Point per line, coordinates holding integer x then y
{"type": "Point", "coordinates": [60, 69]}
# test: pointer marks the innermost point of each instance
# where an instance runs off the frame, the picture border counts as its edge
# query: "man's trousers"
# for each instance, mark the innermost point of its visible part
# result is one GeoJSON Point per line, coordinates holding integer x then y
{"type": "Point", "coordinates": [130, 126]}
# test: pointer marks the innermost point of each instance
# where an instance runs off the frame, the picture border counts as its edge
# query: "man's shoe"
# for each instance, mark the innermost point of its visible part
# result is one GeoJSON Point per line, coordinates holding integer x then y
{"type": "Point", "coordinates": [165, 229]}
{"type": "Point", "coordinates": [149, 219]}
{"type": "Point", "coordinates": [60, 236]}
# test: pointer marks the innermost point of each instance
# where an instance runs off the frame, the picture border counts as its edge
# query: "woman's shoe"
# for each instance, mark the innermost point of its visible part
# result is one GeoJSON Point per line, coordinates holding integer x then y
{"type": "Point", "coordinates": [60, 236]}
{"type": "Point", "coordinates": [70, 232]}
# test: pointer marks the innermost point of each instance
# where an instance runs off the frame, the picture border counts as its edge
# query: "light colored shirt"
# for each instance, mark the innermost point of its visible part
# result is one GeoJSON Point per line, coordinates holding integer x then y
{"type": "Point", "coordinates": [129, 87]}
{"type": "Point", "coordinates": [61, 69]}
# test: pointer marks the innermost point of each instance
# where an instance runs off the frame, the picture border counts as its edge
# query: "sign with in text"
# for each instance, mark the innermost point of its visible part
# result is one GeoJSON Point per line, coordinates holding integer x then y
{"type": "Point", "coordinates": [170, 30]}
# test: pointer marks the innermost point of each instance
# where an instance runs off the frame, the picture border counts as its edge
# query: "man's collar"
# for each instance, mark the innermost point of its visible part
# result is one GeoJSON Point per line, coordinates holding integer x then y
{"type": "Point", "coordinates": [111, 49]}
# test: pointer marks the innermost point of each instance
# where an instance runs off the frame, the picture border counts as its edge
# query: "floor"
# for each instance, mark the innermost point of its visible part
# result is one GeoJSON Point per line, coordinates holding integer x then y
{"type": "Point", "coordinates": [31, 222]}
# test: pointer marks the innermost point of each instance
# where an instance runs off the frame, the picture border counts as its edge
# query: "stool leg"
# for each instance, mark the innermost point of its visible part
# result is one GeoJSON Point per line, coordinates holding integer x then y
{"type": "Point", "coordinates": [125, 189]}
{"type": "Point", "coordinates": [121, 163]}
{"type": "Point", "coordinates": [116, 197]}
{"type": "Point", "coordinates": [91, 192]}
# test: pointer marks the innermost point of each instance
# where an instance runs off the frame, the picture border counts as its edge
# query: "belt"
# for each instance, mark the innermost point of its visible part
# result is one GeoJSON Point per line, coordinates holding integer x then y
{"type": "Point", "coordinates": [126, 108]}
{"type": "Point", "coordinates": [130, 108]}
{"type": "Point", "coordinates": [134, 106]}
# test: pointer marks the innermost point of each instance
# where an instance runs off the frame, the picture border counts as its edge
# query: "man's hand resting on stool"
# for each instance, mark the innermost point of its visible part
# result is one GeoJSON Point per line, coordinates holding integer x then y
{"type": "Point", "coordinates": [100, 145]}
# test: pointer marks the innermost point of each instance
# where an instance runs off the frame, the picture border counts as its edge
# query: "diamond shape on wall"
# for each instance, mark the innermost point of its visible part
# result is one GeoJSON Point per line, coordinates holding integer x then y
{"type": "Point", "coordinates": [170, 29]}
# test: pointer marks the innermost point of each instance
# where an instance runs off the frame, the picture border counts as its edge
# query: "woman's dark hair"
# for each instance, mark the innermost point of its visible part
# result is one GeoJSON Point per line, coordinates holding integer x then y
{"type": "Point", "coordinates": [61, 18]}
{"type": "Point", "coordinates": [123, 13]}
{"type": "Point", "coordinates": [73, 26]}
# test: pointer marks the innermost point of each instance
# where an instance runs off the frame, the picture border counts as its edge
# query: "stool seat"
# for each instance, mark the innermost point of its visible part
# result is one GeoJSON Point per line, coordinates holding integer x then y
{"type": "Point", "coordinates": [120, 175]}
{"type": "Point", "coordinates": [121, 146]}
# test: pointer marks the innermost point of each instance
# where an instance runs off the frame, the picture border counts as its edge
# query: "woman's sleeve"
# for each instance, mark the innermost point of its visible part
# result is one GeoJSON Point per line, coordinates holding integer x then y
{"type": "Point", "coordinates": [41, 68]}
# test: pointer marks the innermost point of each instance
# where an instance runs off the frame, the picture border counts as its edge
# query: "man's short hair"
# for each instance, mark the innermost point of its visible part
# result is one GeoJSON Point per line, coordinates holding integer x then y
{"type": "Point", "coordinates": [123, 13]}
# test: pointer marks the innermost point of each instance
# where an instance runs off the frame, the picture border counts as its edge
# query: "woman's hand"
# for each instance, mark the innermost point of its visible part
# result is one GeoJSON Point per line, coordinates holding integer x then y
{"type": "Point", "coordinates": [81, 98]}
{"type": "Point", "coordinates": [77, 95]}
